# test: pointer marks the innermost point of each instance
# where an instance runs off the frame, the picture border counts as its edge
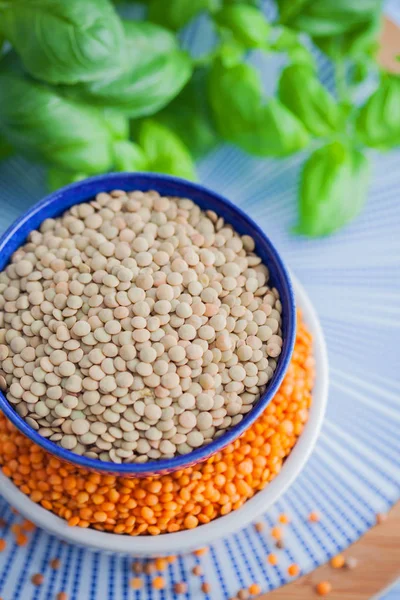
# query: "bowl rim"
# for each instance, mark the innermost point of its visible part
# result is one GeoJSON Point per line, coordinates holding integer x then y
{"type": "Point", "coordinates": [203, 535]}
{"type": "Point", "coordinates": [129, 181]}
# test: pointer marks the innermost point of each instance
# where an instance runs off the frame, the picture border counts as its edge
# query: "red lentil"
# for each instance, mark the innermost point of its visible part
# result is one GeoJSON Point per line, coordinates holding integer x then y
{"type": "Point", "coordinates": [197, 570]}
{"type": "Point", "coordinates": [21, 539]}
{"type": "Point", "coordinates": [259, 527]}
{"type": "Point", "coordinates": [136, 583]}
{"type": "Point", "coordinates": [206, 587]}
{"type": "Point", "coordinates": [3, 545]}
{"type": "Point", "coordinates": [254, 589]}
{"type": "Point", "coordinates": [62, 596]}
{"type": "Point", "coordinates": [294, 570]}
{"type": "Point", "coordinates": [337, 562]}
{"type": "Point", "coordinates": [314, 517]}
{"type": "Point", "coordinates": [284, 519]}
{"type": "Point", "coordinates": [158, 583]}
{"type": "Point", "coordinates": [200, 551]}
{"type": "Point", "coordinates": [186, 498]}
{"type": "Point", "coordinates": [276, 533]}
{"type": "Point", "coordinates": [323, 588]}
{"type": "Point", "coordinates": [28, 525]}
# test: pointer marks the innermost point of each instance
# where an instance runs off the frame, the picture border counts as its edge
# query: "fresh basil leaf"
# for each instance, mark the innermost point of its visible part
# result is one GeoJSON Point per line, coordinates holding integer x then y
{"type": "Point", "coordinates": [50, 128]}
{"type": "Point", "coordinates": [164, 151]}
{"type": "Point", "coordinates": [249, 2]}
{"type": "Point", "coordinates": [359, 41]}
{"type": "Point", "coordinates": [174, 14]}
{"type": "Point", "coordinates": [128, 156]}
{"type": "Point", "coordinates": [321, 18]}
{"type": "Point", "coordinates": [58, 178]}
{"type": "Point", "coordinates": [118, 125]}
{"type": "Point", "coordinates": [188, 115]}
{"type": "Point", "coordinates": [64, 41]}
{"type": "Point", "coordinates": [5, 148]}
{"type": "Point", "coordinates": [247, 24]}
{"type": "Point", "coordinates": [305, 96]}
{"type": "Point", "coordinates": [242, 118]}
{"type": "Point", "coordinates": [378, 121]}
{"type": "Point", "coordinates": [333, 188]}
{"type": "Point", "coordinates": [154, 72]}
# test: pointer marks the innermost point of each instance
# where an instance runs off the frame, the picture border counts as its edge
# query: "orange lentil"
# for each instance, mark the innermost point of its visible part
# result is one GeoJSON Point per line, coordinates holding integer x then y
{"type": "Point", "coordinates": [197, 570]}
{"type": "Point", "coordinates": [272, 559]}
{"type": "Point", "coordinates": [201, 551]}
{"type": "Point", "coordinates": [254, 588]}
{"type": "Point", "coordinates": [284, 519]}
{"type": "Point", "coordinates": [276, 533]}
{"type": "Point", "coordinates": [28, 525]}
{"type": "Point", "coordinates": [62, 596]}
{"type": "Point", "coordinates": [15, 528]}
{"type": "Point", "coordinates": [293, 570]}
{"type": "Point", "coordinates": [206, 587]}
{"type": "Point", "coordinates": [21, 539]}
{"type": "Point", "coordinates": [176, 501]}
{"type": "Point", "coordinates": [158, 583]}
{"type": "Point", "coordinates": [136, 583]}
{"type": "Point", "coordinates": [171, 559]}
{"type": "Point", "coordinates": [161, 564]}
{"type": "Point", "coordinates": [314, 517]}
{"type": "Point", "coordinates": [323, 588]}
{"type": "Point", "coordinates": [337, 562]}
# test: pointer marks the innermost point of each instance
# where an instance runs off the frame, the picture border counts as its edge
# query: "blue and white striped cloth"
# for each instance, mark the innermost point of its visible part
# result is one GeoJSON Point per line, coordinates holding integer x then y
{"type": "Point", "coordinates": [353, 279]}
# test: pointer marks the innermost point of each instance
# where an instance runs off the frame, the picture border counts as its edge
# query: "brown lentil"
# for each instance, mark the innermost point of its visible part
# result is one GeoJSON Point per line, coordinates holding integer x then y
{"type": "Point", "coordinates": [37, 579]}
{"type": "Point", "coordinates": [100, 287]}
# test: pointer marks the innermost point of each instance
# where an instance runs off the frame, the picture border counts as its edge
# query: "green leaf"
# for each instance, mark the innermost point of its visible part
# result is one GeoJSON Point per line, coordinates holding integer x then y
{"type": "Point", "coordinates": [321, 18]}
{"type": "Point", "coordinates": [118, 125]}
{"type": "Point", "coordinates": [154, 72]}
{"type": "Point", "coordinates": [333, 188]}
{"type": "Point", "coordinates": [359, 41]}
{"type": "Point", "coordinates": [164, 151]}
{"type": "Point", "coordinates": [49, 128]}
{"type": "Point", "coordinates": [58, 178]}
{"type": "Point", "coordinates": [305, 96]}
{"type": "Point", "coordinates": [188, 115]}
{"type": "Point", "coordinates": [174, 14]}
{"type": "Point", "coordinates": [378, 121]}
{"type": "Point", "coordinates": [128, 156]}
{"type": "Point", "coordinates": [242, 118]}
{"type": "Point", "coordinates": [5, 148]}
{"type": "Point", "coordinates": [249, 2]}
{"type": "Point", "coordinates": [64, 41]}
{"type": "Point", "coordinates": [247, 24]}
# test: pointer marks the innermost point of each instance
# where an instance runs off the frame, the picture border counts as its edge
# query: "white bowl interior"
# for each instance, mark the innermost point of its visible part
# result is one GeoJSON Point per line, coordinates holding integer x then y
{"type": "Point", "coordinates": [183, 541]}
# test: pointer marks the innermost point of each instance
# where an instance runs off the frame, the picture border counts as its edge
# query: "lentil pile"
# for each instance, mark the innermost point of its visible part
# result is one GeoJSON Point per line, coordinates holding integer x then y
{"type": "Point", "coordinates": [136, 327]}
{"type": "Point", "coordinates": [181, 500]}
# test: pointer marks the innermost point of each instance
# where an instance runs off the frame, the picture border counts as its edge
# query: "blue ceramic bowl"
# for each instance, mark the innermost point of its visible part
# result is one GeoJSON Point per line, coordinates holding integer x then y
{"type": "Point", "coordinates": [58, 202]}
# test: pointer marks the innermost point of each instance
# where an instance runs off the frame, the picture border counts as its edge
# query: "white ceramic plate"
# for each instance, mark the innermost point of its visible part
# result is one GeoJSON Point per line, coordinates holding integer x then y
{"type": "Point", "coordinates": [178, 543]}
